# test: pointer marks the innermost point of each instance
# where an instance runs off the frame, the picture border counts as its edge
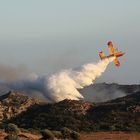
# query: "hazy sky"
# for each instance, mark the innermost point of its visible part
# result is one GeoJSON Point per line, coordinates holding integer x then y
{"type": "Point", "coordinates": [49, 35]}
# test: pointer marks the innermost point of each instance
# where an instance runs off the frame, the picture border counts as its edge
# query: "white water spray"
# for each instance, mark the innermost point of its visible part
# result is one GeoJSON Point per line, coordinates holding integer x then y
{"type": "Point", "coordinates": [65, 84]}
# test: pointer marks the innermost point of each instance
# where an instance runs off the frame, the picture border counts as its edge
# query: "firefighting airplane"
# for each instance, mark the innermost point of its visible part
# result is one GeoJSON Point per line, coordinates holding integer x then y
{"type": "Point", "coordinates": [113, 52]}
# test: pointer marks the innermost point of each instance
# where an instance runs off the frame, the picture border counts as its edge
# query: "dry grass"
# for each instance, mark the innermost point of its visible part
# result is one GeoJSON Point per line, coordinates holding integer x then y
{"type": "Point", "coordinates": [23, 136]}
{"type": "Point", "coordinates": [110, 136]}
{"type": "Point", "coordinates": [86, 136]}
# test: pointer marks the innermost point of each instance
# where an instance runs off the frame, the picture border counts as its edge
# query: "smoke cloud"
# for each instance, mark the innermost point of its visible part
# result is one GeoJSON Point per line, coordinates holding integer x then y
{"type": "Point", "coordinates": [102, 92]}
{"type": "Point", "coordinates": [11, 73]}
{"type": "Point", "coordinates": [62, 85]}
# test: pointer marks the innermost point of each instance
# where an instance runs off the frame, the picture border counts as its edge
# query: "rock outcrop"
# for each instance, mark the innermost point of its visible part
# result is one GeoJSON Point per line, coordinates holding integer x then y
{"type": "Point", "coordinates": [13, 103]}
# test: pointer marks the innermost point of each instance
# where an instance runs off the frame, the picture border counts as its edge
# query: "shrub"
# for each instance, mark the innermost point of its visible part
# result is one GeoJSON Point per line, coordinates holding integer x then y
{"type": "Point", "coordinates": [2, 125]}
{"type": "Point", "coordinates": [12, 129]}
{"type": "Point", "coordinates": [12, 137]}
{"type": "Point", "coordinates": [94, 127]}
{"type": "Point", "coordinates": [66, 132]}
{"type": "Point", "coordinates": [120, 127]}
{"type": "Point", "coordinates": [33, 131]}
{"type": "Point", "coordinates": [47, 134]}
{"type": "Point", "coordinates": [57, 134]}
{"type": "Point", "coordinates": [104, 127]}
{"type": "Point", "coordinates": [113, 128]}
{"type": "Point", "coordinates": [75, 135]}
{"type": "Point", "coordinates": [24, 130]}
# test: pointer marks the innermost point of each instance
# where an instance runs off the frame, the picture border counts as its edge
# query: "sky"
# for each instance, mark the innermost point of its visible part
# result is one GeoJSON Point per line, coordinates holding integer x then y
{"type": "Point", "coordinates": [47, 36]}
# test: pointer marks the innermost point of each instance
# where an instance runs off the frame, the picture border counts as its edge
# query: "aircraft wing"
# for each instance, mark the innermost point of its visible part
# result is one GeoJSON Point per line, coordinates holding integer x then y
{"type": "Point", "coordinates": [117, 62]}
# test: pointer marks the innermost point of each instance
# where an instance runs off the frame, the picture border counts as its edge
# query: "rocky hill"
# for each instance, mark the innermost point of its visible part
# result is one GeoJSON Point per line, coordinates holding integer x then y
{"type": "Point", "coordinates": [13, 103]}
{"type": "Point", "coordinates": [114, 115]}
{"type": "Point", "coordinates": [119, 114]}
{"type": "Point", "coordinates": [67, 113]}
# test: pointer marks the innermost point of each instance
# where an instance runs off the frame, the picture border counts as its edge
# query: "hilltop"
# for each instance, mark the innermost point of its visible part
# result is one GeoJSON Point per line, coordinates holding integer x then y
{"type": "Point", "coordinates": [98, 92]}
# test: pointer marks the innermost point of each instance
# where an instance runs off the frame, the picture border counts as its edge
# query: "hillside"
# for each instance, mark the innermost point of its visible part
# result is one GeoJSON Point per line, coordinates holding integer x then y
{"type": "Point", "coordinates": [67, 113]}
{"type": "Point", "coordinates": [13, 103]}
{"type": "Point", "coordinates": [115, 115]}
{"type": "Point", "coordinates": [119, 114]}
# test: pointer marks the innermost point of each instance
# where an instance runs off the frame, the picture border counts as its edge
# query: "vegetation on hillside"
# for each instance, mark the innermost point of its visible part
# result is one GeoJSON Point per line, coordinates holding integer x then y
{"type": "Point", "coordinates": [122, 114]}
